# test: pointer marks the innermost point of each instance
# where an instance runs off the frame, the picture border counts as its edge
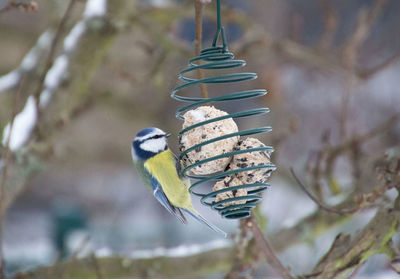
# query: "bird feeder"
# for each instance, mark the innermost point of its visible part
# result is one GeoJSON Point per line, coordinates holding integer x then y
{"type": "Point", "coordinates": [223, 199]}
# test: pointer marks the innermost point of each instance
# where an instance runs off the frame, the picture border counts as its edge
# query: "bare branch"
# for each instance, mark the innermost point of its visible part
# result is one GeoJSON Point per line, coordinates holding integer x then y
{"type": "Point", "coordinates": [386, 173]}
{"type": "Point", "coordinates": [360, 139]}
{"type": "Point", "coordinates": [346, 253]}
{"type": "Point", "coordinates": [331, 22]}
{"type": "Point", "coordinates": [355, 271]}
{"type": "Point", "coordinates": [267, 250]}
{"type": "Point", "coordinates": [199, 6]}
{"type": "Point", "coordinates": [50, 57]}
{"type": "Point", "coordinates": [30, 6]}
{"type": "Point", "coordinates": [367, 73]}
{"type": "Point", "coordinates": [365, 21]}
{"type": "Point", "coordinates": [4, 175]}
{"type": "Point", "coordinates": [97, 267]}
{"type": "Point", "coordinates": [192, 266]}
{"type": "Point", "coordinates": [320, 204]}
{"type": "Point", "coordinates": [325, 158]}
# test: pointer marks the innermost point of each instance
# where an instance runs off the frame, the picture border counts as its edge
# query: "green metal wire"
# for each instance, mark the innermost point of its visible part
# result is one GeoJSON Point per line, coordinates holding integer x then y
{"type": "Point", "coordinates": [217, 57]}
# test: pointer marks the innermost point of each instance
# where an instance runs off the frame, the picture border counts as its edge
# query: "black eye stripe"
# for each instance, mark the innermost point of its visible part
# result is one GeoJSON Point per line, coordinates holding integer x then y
{"type": "Point", "coordinates": [149, 138]}
{"type": "Point", "coordinates": [156, 137]}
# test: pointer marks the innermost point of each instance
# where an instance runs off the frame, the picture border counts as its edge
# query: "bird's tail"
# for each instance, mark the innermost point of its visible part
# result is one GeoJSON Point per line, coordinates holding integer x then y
{"type": "Point", "coordinates": [201, 219]}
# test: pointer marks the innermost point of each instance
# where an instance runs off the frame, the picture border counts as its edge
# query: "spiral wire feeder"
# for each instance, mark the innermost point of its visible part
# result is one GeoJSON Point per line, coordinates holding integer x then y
{"type": "Point", "coordinates": [218, 57]}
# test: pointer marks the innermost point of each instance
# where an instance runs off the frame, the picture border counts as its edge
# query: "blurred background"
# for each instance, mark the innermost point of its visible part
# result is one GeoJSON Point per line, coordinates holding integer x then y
{"type": "Point", "coordinates": [78, 82]}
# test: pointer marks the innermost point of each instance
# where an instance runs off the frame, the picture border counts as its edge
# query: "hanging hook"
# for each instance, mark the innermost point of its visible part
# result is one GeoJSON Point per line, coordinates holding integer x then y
{"type": "Point", "coordinates": [218, 14]}
{"type": "Point", "coordinates": [220, 30]}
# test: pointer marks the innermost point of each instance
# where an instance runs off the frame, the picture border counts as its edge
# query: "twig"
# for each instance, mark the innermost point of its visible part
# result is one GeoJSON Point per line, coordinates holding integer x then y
{"type": "Point", "coordinates": [330, 22]}
{"type": "Point", "coordinates": [74, 257]}
{"type": "Point", "coordinates": [324, 207]}
{"type": "Point", "coordinates": [198, 7]}
{"type": "Point", "coordinates": [266, 249]}
{"type": "Point", "coordinates": [355, 271]}
{"type": "Point", "coordinates": [82, 245]}
{"type": "Point", "coordinates": [327, 156]}
{"type": "Point", "coordinates": [30, 6]}
{"type": "Point", "coordinates": [365, 21]}
{"type": "Point", "coordinates": [50, 57]}
{"type": "Point", "coordinates": [367, 73]}
{"type": "Point", "coordinates": [361, 200]}
{"type": "Point", "coordinates": [316, 174]}
{"type": "Point", "coordinates": [97, 267]}
{"type": "Point", "coordinates": [350, 55]}
{"type": "Point", "coordinates": [349, 85]}
{"type": "Point", "coordinates": [3, 183]}
{"type": "Point", "coordinates": [240, 251]}
{"type": "Point", "coordinates": [368, 135]}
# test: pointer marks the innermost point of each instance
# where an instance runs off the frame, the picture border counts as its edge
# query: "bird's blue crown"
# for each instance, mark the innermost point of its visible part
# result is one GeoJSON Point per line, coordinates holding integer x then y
{"type": "Point", "coordinates": [145, 132]}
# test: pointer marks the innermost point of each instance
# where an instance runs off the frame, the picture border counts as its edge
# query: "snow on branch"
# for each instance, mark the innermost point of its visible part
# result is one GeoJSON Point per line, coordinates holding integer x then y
{"type": "Point", "coordinates": [26, 120]}
{"type": "Point", "coordinates": [30, 60]}
{"type": "Point", "coordinates": [182, 250]}
{"type": "Point", "coordinates": [95, 8]}
{"type": "Point", "coordinates": [24, 123]}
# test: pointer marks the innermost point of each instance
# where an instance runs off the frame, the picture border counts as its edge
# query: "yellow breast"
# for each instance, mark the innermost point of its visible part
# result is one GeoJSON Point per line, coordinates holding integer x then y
{"type": "Point", "coordinates": [162, 167]}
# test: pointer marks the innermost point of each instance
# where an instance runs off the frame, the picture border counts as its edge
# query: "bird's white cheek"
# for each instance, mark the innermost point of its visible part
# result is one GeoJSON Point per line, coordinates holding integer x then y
{"type": "Point", "coordinates": [154, 145]}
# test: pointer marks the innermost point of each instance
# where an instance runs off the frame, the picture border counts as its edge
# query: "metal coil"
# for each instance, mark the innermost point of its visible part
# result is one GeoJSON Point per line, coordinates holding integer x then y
{"type": "Point", "coordinates": [217, 58]}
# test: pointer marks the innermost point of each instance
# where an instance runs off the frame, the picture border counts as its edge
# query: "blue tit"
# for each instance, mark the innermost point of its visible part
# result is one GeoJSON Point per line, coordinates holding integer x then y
{"type": "Point", "coordinates": [159, 169]}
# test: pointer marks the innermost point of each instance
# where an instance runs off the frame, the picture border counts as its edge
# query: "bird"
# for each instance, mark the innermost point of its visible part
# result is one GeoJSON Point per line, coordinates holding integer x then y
{"type": "Point", "coordinates": [159, 169]}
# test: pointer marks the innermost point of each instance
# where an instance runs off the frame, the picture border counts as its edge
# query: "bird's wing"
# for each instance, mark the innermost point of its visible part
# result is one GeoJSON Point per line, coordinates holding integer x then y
{"type": "Point", "coordinates": [160, 196]}
{"type": "Point", "coordinates": [144, 174]}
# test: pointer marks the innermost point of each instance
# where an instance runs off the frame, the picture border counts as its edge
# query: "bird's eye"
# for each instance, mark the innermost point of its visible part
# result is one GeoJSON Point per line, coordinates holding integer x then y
{"type": "Point", "coordinates": [157, 137]}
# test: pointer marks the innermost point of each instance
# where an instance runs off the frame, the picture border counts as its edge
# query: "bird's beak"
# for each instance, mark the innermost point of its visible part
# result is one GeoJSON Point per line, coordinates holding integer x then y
{"type": "Point", "coordinates": [167, 135]}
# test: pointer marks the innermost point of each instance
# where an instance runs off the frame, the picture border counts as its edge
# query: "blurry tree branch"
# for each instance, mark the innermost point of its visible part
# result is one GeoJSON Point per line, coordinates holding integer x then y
{"type": "Point", "coordinates": [28, 6]}
{"type": "Point", "coordinates": [376, 236]}
{"type": "Point", "coordinates": [265, 247]}
{"type": "Point", "coordinates": [347, 252]}
{"type": "Point", "coordinates": [29, 64]}
{"type": "Point", "coordinates": [365, 21]}
{"type": "Point", "coordinates": [199, 7]}
{"type": "Point", "coordinates": [255, 35]}
{"type": "Point", "coordinates": [83, 64]}
{"type": "Point", "coordinates": [330, 25]}
{"type": "Point", "coordinates": [52, 51]}
{"type": "Point", "coordinates": [187, 267]}
{"type": "Point", "coordinates": [324, 164]}
{"type": "Point", "coordinates": [327, 59]}
{"type": "Point", "coordinates": [368, 73]}
{"type": "Point", "coordinates": [351, 49]}
{"type": "Point", "coordinates": [92, 48]}
{"type": "Point", "coordinates": [4, 176]}
{"type": "Point", "coordinates": [240, 253]}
